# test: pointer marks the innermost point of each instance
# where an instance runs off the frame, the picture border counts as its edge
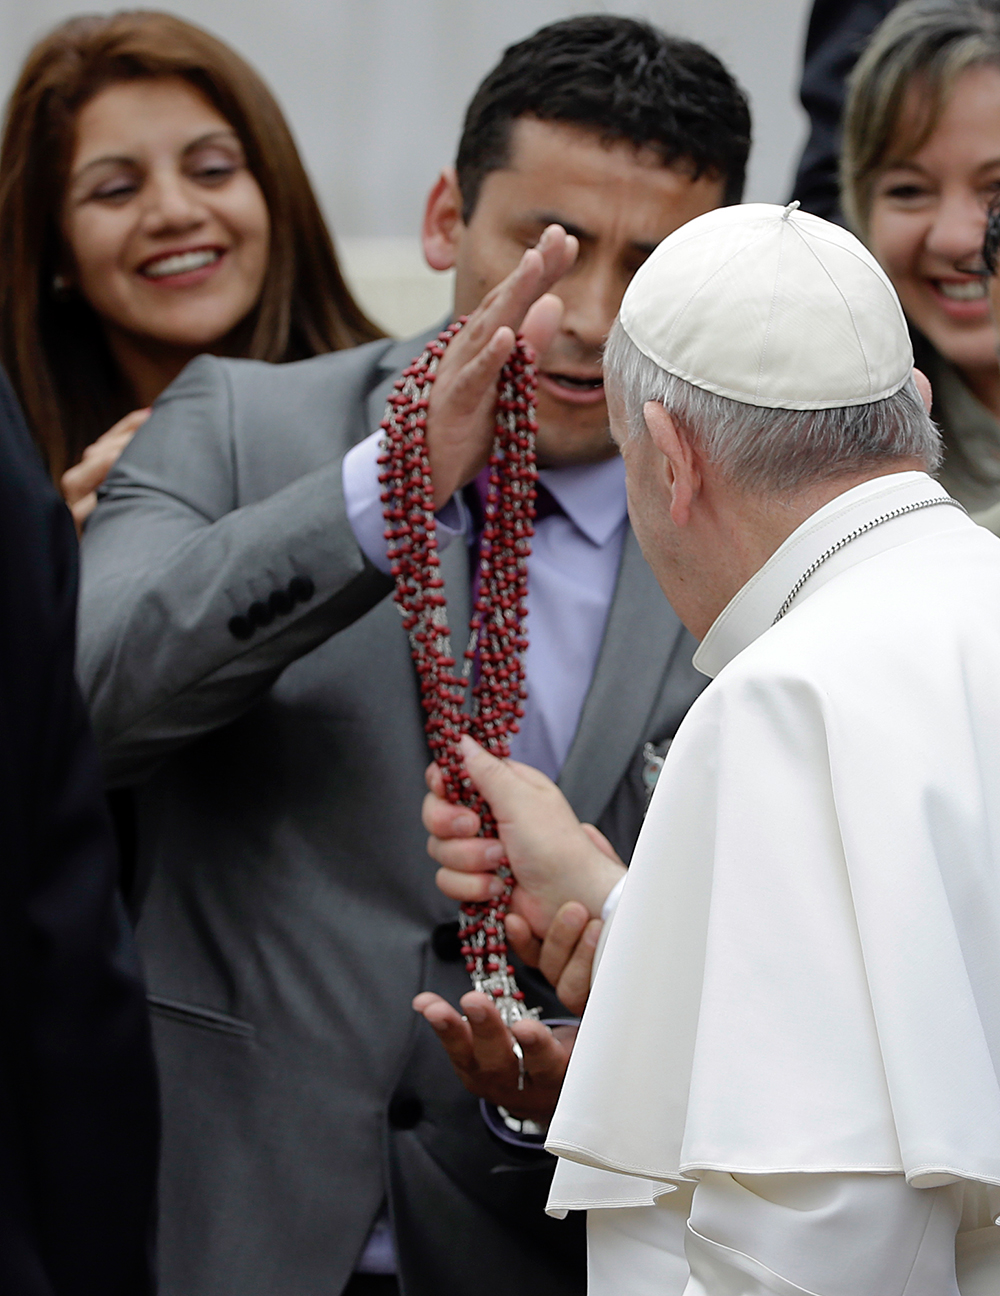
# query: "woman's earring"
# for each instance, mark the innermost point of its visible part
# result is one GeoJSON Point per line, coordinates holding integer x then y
{"type": "Point", "coordinates": [60, 286]}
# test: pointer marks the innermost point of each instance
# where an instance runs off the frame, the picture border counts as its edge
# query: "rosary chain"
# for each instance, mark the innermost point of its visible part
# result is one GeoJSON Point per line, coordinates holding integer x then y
{"type": "Point", "coordinates": [497, 640]}
{"type": "Point", "coordinates": [813, 568]}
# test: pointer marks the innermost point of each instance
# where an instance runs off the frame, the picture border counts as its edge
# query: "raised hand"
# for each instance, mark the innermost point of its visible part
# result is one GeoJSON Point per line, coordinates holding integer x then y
{"type": "Point", "coordinates": [554, 858]}
{"type": "Point", "coordinates": [460, 418]}
{"type": "Point", "coordinates": [79, 484]}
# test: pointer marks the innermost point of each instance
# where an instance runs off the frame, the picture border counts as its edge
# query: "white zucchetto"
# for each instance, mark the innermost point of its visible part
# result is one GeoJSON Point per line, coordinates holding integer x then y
{"type": "Point", "coordinates": [773, 307]}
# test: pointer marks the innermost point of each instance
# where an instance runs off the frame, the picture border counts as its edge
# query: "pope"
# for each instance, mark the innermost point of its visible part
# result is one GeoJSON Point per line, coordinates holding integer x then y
{"type": "Point", "coordinates": [786, 1078]}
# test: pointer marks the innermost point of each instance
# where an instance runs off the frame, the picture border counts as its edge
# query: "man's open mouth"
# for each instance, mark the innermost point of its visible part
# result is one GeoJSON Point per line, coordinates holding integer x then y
{"type": "Point", "coordinates": [576, 384]}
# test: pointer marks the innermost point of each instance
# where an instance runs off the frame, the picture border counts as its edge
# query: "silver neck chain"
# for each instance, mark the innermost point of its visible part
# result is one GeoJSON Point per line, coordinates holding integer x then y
{"type": "Point", "coordinates": [813, 568]}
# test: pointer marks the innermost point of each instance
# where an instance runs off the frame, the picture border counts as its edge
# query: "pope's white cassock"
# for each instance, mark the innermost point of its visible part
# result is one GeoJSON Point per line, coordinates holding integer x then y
{"type": "Point", "coordinates": [786, 1077]}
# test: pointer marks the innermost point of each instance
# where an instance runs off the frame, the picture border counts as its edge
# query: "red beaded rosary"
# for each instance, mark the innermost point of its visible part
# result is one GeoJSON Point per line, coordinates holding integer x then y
{"type": "Point", "coordinates": [496, 628]}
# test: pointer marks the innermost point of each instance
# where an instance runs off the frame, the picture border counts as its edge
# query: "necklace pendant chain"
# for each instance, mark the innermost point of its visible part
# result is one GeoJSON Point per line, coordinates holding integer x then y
{"type": "Point", "coordinates": [497, 626]}
{"type": "Point", "coordinates": [856, 534]}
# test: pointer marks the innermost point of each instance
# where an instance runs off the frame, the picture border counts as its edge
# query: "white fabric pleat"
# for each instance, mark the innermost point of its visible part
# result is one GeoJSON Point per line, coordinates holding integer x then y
{"type": "Point", "coordinates": [639, 1252]}
{"type": "Point", "coordinates": [790, 1235]}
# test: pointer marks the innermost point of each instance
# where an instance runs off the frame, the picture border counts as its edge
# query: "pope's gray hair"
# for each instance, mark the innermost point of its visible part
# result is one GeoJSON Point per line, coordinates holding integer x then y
{"type": "Point", "coordinates": [773, 451]}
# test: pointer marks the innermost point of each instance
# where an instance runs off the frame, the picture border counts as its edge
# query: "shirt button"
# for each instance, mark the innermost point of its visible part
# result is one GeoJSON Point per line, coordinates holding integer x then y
{"type": "Point", "coordinates": [445, 942]}
{"type": "Point", "coordinates": [260, 613]}
{"type": "Point", "coordinates": [405, 1111]}
{"type": "Point", "coordinates": [301, 589]}
{"type": "Point", "coordinates": [240, 627]}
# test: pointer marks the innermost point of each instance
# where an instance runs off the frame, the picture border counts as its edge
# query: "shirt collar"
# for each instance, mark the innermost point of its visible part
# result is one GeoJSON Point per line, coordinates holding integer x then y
{"type": "Point", "coordinates": [592, 496]}
{"type": "Point", "coordinates": [752, 610]}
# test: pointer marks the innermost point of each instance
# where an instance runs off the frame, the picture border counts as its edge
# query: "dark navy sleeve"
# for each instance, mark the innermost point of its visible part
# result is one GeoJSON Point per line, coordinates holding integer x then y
{"type": "Point", "coordinates": [78, 1104]}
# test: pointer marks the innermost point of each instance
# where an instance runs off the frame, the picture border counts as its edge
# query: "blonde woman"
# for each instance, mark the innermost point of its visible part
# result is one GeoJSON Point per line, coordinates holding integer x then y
{"type": "Point", "coordinates": [920, 168]}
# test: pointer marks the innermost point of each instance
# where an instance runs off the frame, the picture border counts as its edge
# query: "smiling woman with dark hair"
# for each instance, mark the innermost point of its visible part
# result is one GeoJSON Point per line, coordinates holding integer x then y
{"type": "Point", "coordinates": [153, 206]}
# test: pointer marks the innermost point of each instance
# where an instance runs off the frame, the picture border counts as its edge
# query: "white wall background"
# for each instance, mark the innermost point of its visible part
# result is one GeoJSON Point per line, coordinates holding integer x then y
{"type": "Point", "coordinates": [375, 91]}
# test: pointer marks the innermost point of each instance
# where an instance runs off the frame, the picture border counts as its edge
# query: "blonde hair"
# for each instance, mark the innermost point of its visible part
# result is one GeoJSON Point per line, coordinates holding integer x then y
{"type": "Point", "coordinates": [926, 42]}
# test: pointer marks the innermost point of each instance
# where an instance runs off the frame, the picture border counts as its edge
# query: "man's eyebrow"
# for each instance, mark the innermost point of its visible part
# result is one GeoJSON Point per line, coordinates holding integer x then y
{"type": "Point", "coordinates": [585, 236]}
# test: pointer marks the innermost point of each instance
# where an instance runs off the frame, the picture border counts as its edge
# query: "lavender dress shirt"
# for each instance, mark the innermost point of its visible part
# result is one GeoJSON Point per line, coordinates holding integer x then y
{"type": "Point", "coordinates": [571, 580]}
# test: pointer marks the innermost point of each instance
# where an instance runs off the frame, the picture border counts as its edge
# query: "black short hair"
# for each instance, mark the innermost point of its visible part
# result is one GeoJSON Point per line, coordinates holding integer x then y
{"type": "Point", "coordinates": [621, 78]}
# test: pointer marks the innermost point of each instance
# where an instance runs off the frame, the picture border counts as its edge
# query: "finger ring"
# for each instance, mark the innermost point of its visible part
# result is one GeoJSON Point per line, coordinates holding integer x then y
{"type": "Point", "coordinates": [520, 1064]}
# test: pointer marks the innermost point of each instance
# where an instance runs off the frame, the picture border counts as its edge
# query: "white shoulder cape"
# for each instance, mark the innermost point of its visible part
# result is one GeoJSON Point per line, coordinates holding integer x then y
{"type": "Point", "coordinates": [803, 973]}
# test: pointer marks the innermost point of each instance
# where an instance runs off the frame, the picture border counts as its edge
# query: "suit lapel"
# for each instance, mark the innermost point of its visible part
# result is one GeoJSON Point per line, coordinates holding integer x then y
{"type": "Point", "coordinates": [639, 639]}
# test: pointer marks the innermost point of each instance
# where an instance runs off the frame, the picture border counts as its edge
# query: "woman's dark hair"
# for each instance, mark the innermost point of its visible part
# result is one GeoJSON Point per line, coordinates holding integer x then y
{"type": "Point", "coordinates": [991, 239]}
{"type": "Point", "coordinates": [622, 79]}
{"type": "Point", "coordinates": [53, 346]}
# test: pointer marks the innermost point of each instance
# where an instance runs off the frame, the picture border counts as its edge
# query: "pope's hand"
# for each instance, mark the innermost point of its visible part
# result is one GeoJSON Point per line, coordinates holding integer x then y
{"type": "Point", "coordinates": [553, 857]}
{"type": "Point", "coordinates": [566, 956]}
{"type": "Point", "coordinates": [479, 1046]}
{"type": "Point", "coordinates": [460, 416]}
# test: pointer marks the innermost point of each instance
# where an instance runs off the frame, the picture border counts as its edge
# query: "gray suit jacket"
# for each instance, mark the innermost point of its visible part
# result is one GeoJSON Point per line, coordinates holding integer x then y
{"type": "Point", "coordinates": [246, 669]}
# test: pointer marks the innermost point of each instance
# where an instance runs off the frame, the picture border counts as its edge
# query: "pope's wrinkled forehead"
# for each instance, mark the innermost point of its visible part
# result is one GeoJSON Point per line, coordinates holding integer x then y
{"type": "Point", "coordinates": [773, 307]}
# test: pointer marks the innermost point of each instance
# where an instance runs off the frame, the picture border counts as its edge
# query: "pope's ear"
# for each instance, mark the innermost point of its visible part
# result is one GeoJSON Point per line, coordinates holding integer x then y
{"type": "Point", "coordinates": [924, 388]}
{"type": "Point", "coordinates": [443, 225]}
{"type": "Point", "coordinates": [670, 438]}
{"type": "Point", "coordinates": [679, 463]}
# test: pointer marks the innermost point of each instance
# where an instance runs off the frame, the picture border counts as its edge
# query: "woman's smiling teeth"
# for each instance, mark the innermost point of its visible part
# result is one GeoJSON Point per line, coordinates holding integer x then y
{"type": "Point", "coordinates": [181, 263]}
{"type": "Point", "coordinates": [966, 290]}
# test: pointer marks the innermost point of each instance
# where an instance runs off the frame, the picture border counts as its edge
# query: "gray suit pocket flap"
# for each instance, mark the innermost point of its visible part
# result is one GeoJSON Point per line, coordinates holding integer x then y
{"type": "Point", "coordinates": [194, 1015]}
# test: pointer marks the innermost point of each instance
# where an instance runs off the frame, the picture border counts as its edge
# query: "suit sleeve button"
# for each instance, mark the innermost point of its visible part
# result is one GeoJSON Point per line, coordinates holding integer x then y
{"type": "Point", "coordinates": [260, 613]}
{"type": "Point", "coordinates": [301, 588]}
{"type": "Point", "coordinates": [240, 627]}
{"type": "Point", "coordinates": [281, 602]}
{"type": "Point", "coordinates": [445, 942]}
{"type": "Point", "coordinates": [405, 1111]}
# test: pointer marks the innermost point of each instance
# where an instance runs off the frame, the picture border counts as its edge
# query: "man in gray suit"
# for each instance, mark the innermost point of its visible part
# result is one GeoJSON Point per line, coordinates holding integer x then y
{"type": "Point", "coordinates": [248, 672]}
